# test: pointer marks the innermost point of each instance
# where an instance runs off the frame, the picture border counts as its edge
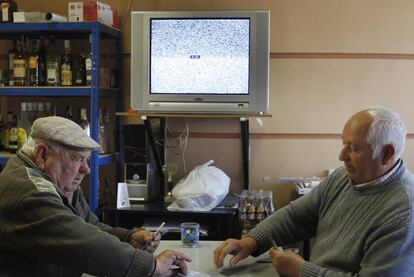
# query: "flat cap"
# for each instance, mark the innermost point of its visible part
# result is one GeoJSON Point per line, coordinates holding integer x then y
{"type": "Point", "coordinates": [62, 131]}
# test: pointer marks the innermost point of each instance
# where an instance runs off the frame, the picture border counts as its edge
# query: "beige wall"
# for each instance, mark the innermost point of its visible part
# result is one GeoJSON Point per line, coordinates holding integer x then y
{"type": "Point", "coordinates": [330, 58]}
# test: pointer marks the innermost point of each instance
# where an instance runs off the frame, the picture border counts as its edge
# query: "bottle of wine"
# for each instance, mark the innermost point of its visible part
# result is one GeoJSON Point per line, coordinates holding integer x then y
{"type": "Point", "coordinates": [53, 65]}
{"type": "Point", "coordinates": [19, 65]}
{"type": "Point", "coordinates": [83, 122]}
{"type": "Point", "coordinates": [23, 121]}
{"type": "Point", "coordinates": [80, 74]}
{"type": "Point", "coordinates": [42, 61]}
{"type": "Point", "coordinates": [102, 134]}
{"type": "Point", "coordinates": [7, 127]}
{"type": "Point", "coordinates": [13, 139]}
{"type": "Point", "coordinates": [8, 7]}
{"type": "Point", "coordinates": [68, 112]}
{"type": "Point", "coordinates": [88, 63]}
{"type": "Point", "coordinates": [33, 70]}
{"type": "Point", "coordinates": [12, 54]}
{"type": "Point", "coordinates": [66, 67]}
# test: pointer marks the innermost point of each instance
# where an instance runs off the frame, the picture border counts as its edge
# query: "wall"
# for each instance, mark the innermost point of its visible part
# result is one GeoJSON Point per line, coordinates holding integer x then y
{"type": "Point", "coordinates": [329, 59]}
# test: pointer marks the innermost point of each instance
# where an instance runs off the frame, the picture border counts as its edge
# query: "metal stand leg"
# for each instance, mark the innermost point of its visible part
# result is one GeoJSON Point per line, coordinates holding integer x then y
{"type": "Point", "coordinates": [244, 122]}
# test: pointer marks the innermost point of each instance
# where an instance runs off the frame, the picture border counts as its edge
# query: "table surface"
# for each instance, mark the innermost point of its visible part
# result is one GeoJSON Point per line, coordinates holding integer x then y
{"type": "Point", "coordinates": [203, 262]}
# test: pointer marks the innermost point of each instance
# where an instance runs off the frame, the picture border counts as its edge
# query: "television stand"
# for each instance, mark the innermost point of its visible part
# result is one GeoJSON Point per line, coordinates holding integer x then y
{"type": "Point", "coordinates": [158, 152]}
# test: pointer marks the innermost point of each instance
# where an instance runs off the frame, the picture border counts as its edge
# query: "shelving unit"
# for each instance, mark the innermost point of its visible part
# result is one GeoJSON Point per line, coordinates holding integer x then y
{"type": "Point", "coordinates": [75, 30]}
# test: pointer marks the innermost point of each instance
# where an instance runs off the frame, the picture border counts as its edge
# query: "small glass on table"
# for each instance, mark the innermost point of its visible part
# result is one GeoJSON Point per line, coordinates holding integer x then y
{"type": "Point", "coordinates": [190, 234]}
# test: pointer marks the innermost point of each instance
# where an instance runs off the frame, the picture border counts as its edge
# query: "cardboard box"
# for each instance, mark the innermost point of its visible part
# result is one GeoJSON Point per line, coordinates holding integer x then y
{"type": "Point", "coordinates": [75, 12]}
{"type": "Point", "coordinates": [91, 10]}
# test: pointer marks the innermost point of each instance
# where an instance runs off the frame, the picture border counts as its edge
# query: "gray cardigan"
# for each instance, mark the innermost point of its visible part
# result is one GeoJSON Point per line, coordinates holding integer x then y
{"type": "Point", "coordinates": [366, 231]}
{"type": "Point", "coordinates": [42, 234]}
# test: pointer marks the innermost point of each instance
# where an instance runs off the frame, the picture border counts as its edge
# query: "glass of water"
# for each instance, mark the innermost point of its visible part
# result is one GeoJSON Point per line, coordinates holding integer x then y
{"type": "Point", "coordinates": [190, 234]}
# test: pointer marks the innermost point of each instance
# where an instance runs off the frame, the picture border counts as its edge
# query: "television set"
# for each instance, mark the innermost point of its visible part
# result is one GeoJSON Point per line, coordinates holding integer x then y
{"type": "Point", "coordinates": [200, 61]}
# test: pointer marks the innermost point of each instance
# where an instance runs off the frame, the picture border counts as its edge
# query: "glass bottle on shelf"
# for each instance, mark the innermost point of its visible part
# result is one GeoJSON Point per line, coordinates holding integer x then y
{"type": "Point", "coordinates": [269, 205]}
{"type": "Point", "coordinates": [52, 65]}
{"type": "Point", "coordinates": [35, 111]}
{"type": "Point", "coordinates": [48, 108]}
{"type": "Point", "coordinates": [12, 53]}
{"type": "Point", "coordinates": [66, 76]}
{"type": "Point", "coordinates": [33, 68]}
{"type": "Point", "coordinates": [13, 139]}
{"type": "Point", "coordinates": [80, 74]}
{"type": "Point", "coordinates": [19, 65]}
{"type": "Point", "coordinates": [242, 213]}
{"type": "Point", "coordinates": [260, 209]}
{"type": "Point", "coordinates": [83, 122]}
{"type": "Point", "coordinates": [42, 61]}
{"type": "Point", "coordinates": [68, 112]}
{"type": "Point", "coordinates": [40, 110]}
{"type": "Point", "coordinates": [6, 133]}
{"type": "Point", "coordinates": [102, 134]}
{"type": "Point", "coordinates": [23, 121]}
{"type": "Point", "coordinates": [88, 63]}
{"type": "Point", "coordinates": [8, 7]}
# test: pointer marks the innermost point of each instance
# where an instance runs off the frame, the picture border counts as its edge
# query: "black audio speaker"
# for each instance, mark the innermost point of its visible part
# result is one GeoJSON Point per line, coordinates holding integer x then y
{"type": "Point", "coordinates": [142, 181]}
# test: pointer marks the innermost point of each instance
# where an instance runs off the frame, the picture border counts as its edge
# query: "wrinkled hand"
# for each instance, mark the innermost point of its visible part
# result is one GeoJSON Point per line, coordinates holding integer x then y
{"type": "Point", "coordinates": [144, 240]}
{"type": "Point", "coordinates": [168, 258]}
{"type": "Point", "coordinates": [240, 249]}
{"type": "Point", "coordinates": [287, 263]}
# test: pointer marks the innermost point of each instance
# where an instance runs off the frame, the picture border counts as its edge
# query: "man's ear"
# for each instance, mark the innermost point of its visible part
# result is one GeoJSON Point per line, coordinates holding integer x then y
{"type": "Point", "coordinates": [388, 153]}
{"type": "Point", "coordinates": [40, 155]}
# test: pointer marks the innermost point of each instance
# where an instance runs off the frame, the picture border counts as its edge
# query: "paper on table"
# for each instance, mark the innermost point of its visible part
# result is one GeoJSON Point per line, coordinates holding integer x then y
{"type": "Point", "coordinates": [194, 274]}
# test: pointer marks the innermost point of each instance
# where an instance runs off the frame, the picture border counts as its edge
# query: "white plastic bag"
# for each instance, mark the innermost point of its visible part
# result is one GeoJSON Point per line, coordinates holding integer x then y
{"type": "Point", "coordinates": [201, 190]}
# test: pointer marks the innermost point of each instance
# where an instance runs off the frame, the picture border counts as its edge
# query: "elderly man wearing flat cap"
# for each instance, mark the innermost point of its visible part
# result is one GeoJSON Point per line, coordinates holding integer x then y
{"type": "Point", "coordinates": [46, 226]}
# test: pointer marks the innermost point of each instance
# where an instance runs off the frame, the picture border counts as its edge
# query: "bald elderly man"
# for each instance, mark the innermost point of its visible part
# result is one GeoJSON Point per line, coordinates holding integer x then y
{"type": "Point", "coordinates": [46, 226]}
{"type": "Point", "coordinates": [361, 215]}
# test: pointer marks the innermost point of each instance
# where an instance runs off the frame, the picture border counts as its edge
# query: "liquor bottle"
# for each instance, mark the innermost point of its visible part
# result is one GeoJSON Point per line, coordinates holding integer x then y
{"type": "Point", "coordinates": [88, 63]}
{"type": "Point", "coordinates": [12, 54]}
{"type": "Point", "coordinates": [48, 109]}
{"type": "Point", "coordinates": [35, 112]}
{"type": "Point", "coordinates": [68, 112]}
{"type": "Point", "coordinates": [80, 74]}
{"type": "Point", "coordinates": [66, 76]}
{"type": "Point", "coordinates": [52, 65]}
{"type": "Point", "coordinates": [8, 7]}
{"type": "Point", "coordinates": [13, 139]}
{"type": "Point", "coordinates": [40, 109]}
{"type": "Point", "coordinates": [23, 121]}
{"type": "Point", "coordinates": [102, 134]}
{"type": "Point", "coordinates": [83, 122]}
{"type": "Point", "coordinates": [19, 63]}
{"type": "Point", "coordinates": [33, 67]}
{"type": "Point", "coordinates": [42, 61]}
{"type": "Point", "coordinates": [7, 127]}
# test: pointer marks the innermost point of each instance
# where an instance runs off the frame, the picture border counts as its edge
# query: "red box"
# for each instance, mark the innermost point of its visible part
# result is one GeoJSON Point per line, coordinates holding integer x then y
{"type": "Point", "coordinates": [91, 10]}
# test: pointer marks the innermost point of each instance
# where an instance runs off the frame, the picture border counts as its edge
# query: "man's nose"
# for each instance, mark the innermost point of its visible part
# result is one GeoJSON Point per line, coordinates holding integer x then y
{"type": "Point", "coordinates": [343, 155]}
{"type": "Point", "coordinates": [85, 168]}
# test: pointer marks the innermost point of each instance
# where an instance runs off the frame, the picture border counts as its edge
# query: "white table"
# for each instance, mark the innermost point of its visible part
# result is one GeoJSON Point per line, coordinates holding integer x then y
{"type": "Point", "coordinates": [203, 262]}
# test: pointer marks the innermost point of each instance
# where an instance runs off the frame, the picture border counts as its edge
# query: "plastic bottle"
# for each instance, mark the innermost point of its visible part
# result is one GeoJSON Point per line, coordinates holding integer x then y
{"type": "Point", "coordinates": [242, 212]}
{"type": "Point", "coordinates": [269, 204]}
{"type": "Point", "coordinates": [260, 209]}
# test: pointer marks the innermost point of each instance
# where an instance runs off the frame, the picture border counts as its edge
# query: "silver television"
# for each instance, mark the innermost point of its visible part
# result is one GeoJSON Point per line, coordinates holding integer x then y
{"type": "Point", "coordinates": [200, 61]}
